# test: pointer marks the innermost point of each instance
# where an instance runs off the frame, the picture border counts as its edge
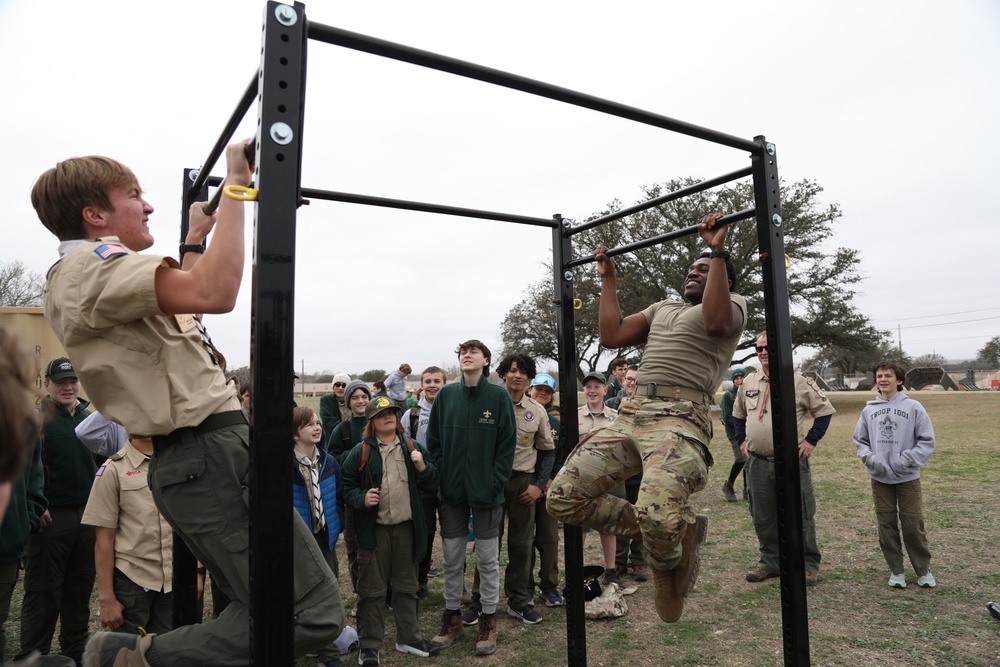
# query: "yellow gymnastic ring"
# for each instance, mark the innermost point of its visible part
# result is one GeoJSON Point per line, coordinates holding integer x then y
{"type": "Point", "coordinates": [577, 304]}
{"type": "Point", "coordinates": [788, 262]}
{"type": "Point", "coordinates": [240, 193]}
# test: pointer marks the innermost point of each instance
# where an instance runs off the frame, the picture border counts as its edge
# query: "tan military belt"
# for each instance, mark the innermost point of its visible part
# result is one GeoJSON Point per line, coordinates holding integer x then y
{"type": "Point", "coordinates": [651, 389]}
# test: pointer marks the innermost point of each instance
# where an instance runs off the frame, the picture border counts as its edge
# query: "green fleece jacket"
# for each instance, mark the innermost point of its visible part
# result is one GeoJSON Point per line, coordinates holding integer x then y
{"type": "Point", "coordinates": [24, 514]}
{"type": "Point", "coordinates": [358, 478]}
{"type": "Point", "coordinates": [471, 435]}
{"type": "Point", "coordinates": [69, 465]}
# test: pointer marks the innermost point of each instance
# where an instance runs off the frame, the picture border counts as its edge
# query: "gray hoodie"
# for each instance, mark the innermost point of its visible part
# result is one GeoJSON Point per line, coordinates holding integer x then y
{"type": "Point", "coordinates": [894, 438]}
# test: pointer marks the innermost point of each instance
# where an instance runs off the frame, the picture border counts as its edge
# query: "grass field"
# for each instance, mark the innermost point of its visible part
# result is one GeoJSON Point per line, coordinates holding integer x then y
{"type": "Point", "coordinates": [855, 620]}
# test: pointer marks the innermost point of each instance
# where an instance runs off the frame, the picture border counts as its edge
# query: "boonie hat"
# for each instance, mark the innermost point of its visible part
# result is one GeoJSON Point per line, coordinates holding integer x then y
{"type": "Point", "coordinates": [544, 380]}
{"type": "Point", "coordinates": [60, 368]}
{"type": "Point", "coordinates": [738, 373]}
{"type": "Point", "coordinates": [595, 376]}
{"type": "Point", "coordinates": [380, 404]}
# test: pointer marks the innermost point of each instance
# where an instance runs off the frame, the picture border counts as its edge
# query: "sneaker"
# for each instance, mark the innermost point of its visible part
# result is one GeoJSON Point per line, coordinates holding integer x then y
{"type": "Point", "coordinates": [728, 493]}
{"type": "Point", "coordinates": [423, 592]}
{"type": "Point", "coordinates": [486, 643]}
{"type": "Point", "coordinates": [471, 616]}
{"type": "Point", "coordinates": [354, 610]}
{"type": "Point", "coordinates": [686, 572]}
{"type": "Point", "coordinates": [451, 629]}
{"type": "Point", "coordinates": [669, 603]}
{"type": "Point", "coordinates": [552, 599]}
{"type": "Point", "coordinates": [898, 580]}
{"type": "Point", "coordinates": [116, 648]}
{"type": "Point", "coordinates": [640, 573]}
{"type": "Point", "coordinates": [531, 599]}
{"type": "Point", "coordinates": [812, 578]}
{"type": "Point", "coordinates": [611, 577]}
{"type": "Point", "coordinates": [368, 657]}
{"type": "Point", "coordinates": [994, 609]}
{"type": "Point", "coordinates": [421, 648]}
{"type": "Point", "coordinates": [526, 614]}
{"type": "Point", "coordinates": [433, 572]}
{"type": "Point", "coordinates": [760, 574]}
{"type": "Point", "coordinates": [927, 581]}
{"type": "Point", "coordinates": [336, 662]}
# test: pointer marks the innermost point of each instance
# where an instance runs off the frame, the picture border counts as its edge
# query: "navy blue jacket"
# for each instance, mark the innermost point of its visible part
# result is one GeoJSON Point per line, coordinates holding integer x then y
{"type": "Point", "coordinates": [331, 486]}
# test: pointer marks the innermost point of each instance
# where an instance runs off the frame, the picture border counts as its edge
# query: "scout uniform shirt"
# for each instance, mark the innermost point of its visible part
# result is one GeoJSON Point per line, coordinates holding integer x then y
{"type": "Point", "coordinates": [533, 434]}
{"type": "Point", "coordinates": [394, 492]}
{"type": "Point", "coordinates": [753, 403]}
{"type": "Point", "coordinates": [588, 421]}
{"type": "Point", "coordinates": [152, 373]}
{"type": "Point", "coordinates": [121, 499]}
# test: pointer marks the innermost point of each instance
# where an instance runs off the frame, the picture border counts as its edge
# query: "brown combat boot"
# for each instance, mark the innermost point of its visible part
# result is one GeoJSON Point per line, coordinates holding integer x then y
{"type": "Point", "coordinates": [117, 649]}
{"type": "Point", "coordinates": [487, 642]}
{"type": "Point", "coordinates": [669, 603]}
{"type": "Point", "coordinates": [451, 629]}
{"type": "Point", "coordinates": [686, 572]}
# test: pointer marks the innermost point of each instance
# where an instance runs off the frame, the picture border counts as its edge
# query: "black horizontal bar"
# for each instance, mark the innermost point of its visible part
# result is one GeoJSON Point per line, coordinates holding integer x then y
{"type": "Point", "coordinates": [663, 199]}
{"type": "Point", "coordinates": [425, 207]}
{"type": "Point", "coordinates": [669, 236]}
{"type": "Point", "coordinates": [227, 134]}
{"type": "Point", "coordinates": [381, 47]}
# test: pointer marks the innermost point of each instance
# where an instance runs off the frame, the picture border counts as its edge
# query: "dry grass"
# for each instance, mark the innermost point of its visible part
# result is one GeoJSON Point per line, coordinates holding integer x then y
{"type": "Point", "coordinates": [855, 620]}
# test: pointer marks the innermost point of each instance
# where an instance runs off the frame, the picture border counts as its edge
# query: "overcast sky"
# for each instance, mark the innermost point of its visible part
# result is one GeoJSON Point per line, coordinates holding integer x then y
{"type": "Point", "coordinates": [892, 107]}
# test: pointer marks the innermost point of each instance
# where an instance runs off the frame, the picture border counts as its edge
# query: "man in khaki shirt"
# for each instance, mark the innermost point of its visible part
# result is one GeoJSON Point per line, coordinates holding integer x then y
{"type": "Point", "coordinates": [134, 551]}
{"type": "Point", "coordinates": [752, 422]}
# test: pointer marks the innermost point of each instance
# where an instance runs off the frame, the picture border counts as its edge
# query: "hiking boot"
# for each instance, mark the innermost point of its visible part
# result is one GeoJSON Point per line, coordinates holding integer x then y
{"type": "Point", "coordinates": [117, 649]}
{"type": "Point", "coordinates": [471, 616]}
{"type": "Point", "coordinates": [686, 572]}
{"type": "Point", "coordinates": [927, 581]}
{"type": "Point", "coordinates": [611, 577]}
{"type": "Point", "coordinates": [728, 492]}
{"type": "Point", "coordinates": [368, 657]}
{"type": "Point", "coordinates": [669, 603]}
{"type": "Point", "coordinates": [640, 573]}
{"type": "Point", "coordinates": [898, 580]}
{"type": "Point", "coordinates": [421, 648]}
{"type": "Point", "coordinates": [526, 614]}
{"type": "Point", "coordinates": [552, 599]}
{"type": "Point", "coordinates": [486, 644]}
{"type": "Point", "coordinates": [451, 629]}
{"type": "Point", "coordinates": [812, 578]}
{"type": "Point", "coordinates": [760, 574]}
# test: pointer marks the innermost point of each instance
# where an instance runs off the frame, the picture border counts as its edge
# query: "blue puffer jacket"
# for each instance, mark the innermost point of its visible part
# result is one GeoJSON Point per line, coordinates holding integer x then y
{"type": "Point", "coordinates": [331, 486]}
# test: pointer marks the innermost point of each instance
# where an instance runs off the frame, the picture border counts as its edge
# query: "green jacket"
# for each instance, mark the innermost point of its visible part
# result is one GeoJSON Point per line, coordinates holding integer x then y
{"type": "Point", "coordinates": [728, 398]}
{"type": "Point", "coordinates": [359, 477]}
{"type": "Point", "coordinates": [471, 435]}
{"type": "Point", "coordinates": [24, 514]}
{"type": "Point", "coordinates": [69, 465]}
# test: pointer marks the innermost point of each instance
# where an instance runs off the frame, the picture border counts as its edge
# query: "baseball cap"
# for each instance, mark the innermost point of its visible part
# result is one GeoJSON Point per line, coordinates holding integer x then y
{"type": "Point", "coordinates": [60, 368]}
{"type": "Point", "coordinates": [544, 380]}
{"type": "Point", "coordinates": [595, 376]}
{"type": "Point", "coordinates": [380, 404]}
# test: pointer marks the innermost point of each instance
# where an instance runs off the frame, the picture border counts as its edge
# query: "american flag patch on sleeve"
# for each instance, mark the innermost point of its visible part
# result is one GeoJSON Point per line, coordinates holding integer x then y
{"type": "Point", "coordinates": [109, 250]}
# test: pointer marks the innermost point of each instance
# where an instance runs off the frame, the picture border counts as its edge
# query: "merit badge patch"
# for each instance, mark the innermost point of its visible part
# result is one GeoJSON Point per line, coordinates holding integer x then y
{"type": "Point", "coordinates": [108, 250]}
{"type": "Point", "coordinates": [529, 415]}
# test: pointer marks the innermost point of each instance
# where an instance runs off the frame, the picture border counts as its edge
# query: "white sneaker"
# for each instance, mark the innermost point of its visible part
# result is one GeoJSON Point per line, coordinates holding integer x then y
{"type": "Point", "coordinates": [927, 581]}
{"type": "Point", "coordinates": [898, 580]}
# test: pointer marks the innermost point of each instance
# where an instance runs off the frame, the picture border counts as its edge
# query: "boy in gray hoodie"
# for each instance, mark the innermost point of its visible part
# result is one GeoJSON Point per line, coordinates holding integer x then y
{"type": "Point", "coordinates": [894, 438]}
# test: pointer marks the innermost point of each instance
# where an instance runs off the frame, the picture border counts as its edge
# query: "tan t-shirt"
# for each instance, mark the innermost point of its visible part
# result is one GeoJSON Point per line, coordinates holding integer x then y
{"type": "Point", "coordinates": [533, 433]}
{"type": "Point", "coordinates": [678, 351]}
{"type": "Point", "coordinates": [810, 403]}
{"type": "Point", "coordinates": [120, 498]}
{"type": "Point", "coordinates": [150, 372]}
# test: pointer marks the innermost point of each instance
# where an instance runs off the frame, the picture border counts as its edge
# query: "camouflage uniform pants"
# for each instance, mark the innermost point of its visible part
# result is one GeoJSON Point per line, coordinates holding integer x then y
{"type": "Point", "coordinates": [667, 443]}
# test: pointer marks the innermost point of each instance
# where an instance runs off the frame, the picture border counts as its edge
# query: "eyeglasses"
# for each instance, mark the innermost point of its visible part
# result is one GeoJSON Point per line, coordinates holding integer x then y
{"type": "Point", "coordinates": [630, 380]}
{"type": "Point", "coordinates": [761, 348]}
{"type": "Point", "coordinates": [339, 384]}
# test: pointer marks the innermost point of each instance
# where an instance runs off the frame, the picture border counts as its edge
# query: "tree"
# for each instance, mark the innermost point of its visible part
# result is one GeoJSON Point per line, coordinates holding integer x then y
{"type": "Point", "coordinates": [858, 357]}
{"type": "Point", "coordinates": [819, 281]}
{"type": "Point", "coordinates": [373, 375]}
{"type": "Point", "coordinates": [990, 353]}
{"type": "Point", "coordinates": [932, 360]}
{"type": "Point", "coordinates": [242, 375]}
{"type": "Point", "coordinates": [20, 287]}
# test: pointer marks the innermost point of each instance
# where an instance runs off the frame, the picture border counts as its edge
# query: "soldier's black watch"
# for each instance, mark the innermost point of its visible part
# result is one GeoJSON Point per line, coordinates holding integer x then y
{"type": "Point", "coordinates": [192, 247]}
{"type": "Point", "coordinates": [724, 254]}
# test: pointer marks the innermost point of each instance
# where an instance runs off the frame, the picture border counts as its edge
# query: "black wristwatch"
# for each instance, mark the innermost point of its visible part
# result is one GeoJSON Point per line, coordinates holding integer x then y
{"type": "Point", "coordinates": [722, 254]}
{"type": "Point", "coordinates": [192, 247]}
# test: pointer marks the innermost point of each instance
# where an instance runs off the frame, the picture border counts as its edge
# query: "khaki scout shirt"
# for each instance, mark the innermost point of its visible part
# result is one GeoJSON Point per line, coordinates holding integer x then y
{"type": "Point", "coordinates": [120, 498]}
{"type": "Point", "coordinates": [150, 372]}
{"type": "Point", "coordinates": [810, 401]}
{"type": "Point", "coordinates": [533, 433]}
{"type": "Point", "coordinates": [394, 494]}
{"type": "Point", "coordinates": [588, 422]}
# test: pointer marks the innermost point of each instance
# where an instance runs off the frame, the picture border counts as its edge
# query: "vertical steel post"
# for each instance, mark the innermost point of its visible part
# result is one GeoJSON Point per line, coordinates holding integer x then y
{"type": "Point", "coordinates": [562, 281]}
{"type": "Point", "coordinates": [770, 239]}
{"type": "Point", "coordinates": [279, 146]}
{"type": "Point", "coordinates": [184, 579]}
